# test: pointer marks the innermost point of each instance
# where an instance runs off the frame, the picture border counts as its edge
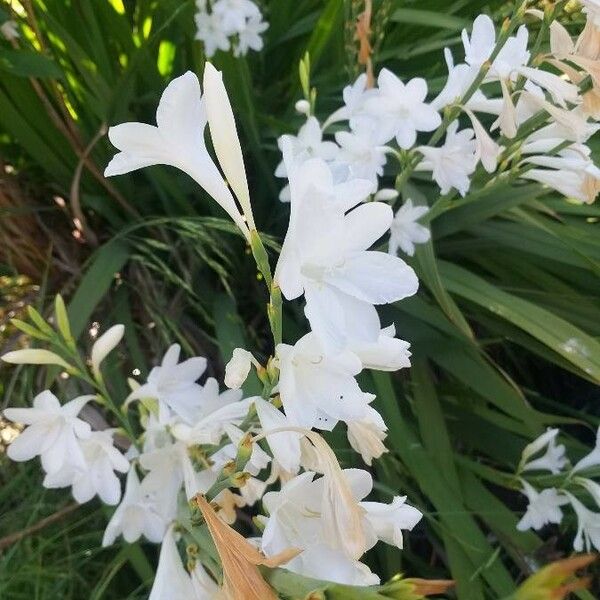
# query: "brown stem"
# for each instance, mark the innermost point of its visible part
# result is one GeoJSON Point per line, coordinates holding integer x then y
{"type": "Point", "coordinates": [13, 538]}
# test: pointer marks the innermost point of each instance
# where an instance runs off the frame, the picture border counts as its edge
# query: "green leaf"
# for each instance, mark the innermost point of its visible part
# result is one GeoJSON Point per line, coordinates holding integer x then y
{"type": "Point", "coordinates": [27, 63]}
{"type": "Point", "coordinates": [561, 336]}
{"type": "Point", "coordinates": [95, 283]}
{"type": "Point", "coordinates": [429, 18]}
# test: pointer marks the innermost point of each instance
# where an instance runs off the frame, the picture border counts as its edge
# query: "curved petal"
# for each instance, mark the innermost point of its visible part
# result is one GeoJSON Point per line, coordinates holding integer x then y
{"type": "Point", "coordinates": [375, 277]}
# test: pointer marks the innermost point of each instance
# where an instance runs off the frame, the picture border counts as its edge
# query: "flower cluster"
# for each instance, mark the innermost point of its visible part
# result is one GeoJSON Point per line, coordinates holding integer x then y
{"type": "Point", "coordinates": [545, 502]}
{"type": "Point", "coordinates": [539, 121]}
{"type": "Point", "coordinates": [229, 24]}
{"type": "Point", "coordinates": [197, 442]}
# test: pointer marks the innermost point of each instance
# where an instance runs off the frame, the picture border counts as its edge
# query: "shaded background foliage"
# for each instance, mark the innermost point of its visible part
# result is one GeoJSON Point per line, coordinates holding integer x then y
{"type": "Point", "coordinates": [504, 331]}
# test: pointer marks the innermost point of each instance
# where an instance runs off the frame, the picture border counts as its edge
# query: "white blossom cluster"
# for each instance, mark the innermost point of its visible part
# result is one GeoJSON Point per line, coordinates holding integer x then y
{"type": "Point", "coordinates": [193, 434]}
{"type": "Point", "coordinates": [385, 120]}
{"type": "Point", "coordinates": [229, 25]}
{"type": "Point", "coordinates": [545, 504]}
{"type": "Point", "coordinates": [198, 442]}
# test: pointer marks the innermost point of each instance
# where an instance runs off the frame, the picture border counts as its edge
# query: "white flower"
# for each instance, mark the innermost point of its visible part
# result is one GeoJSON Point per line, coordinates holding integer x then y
{"type": "Point", "coordinates": [512, 56]}
{"type": "Point", "coordinates": [367, 434]}
{"type": "Point", "coordinates": [295, 520]}
{"type": "Point", "coordinates": [386, 521]}
{"type": "Point", "coordinates": [325, 257]}
{"type": "Point", "coordinates": [174, 385]}
{"type": "Point", "coordinates": [171, 466]}
{"type": "Point", "coordinates": [362, 151]}
{"type": "Point", "coordinates": [571, 172]}
{"type": "Point", "coordinates": [10, 30]}
{"type": "Point", "coordinates": [238, 368]}
{"type": "Point", "coordinates": [97, 475]}
{"type": "Point", "coordinates": [355, 97]}
{"type": "Point", "coordinates": [319, 389]}
{"type": "Point", "coordinates": [210, 31]}
{"type": "Point", "coordinates": [460, 78]}
{"type": "Point", "coordinates": [453, 163]}
{"type": "Point", "coordinates": [553, 460]}
{"type": "Point", "coordinates": [479, 47]}
{"type": "Point", "coordinates": [588, 527]}
{"type": "Point", "coordinates": [213, 412]}
{"type": "Point", "coordinates": [405, 232]}
{"type": "Point", "coordinates": [388, 353]}
{"type": "Point", "coordinates": [307, 144]}
{"type": "Point", "coordinates": [249, 38]}
{"type": "Point", "coordinates": [233, 14]}
{"type": "Point", "coordinates": [402, 108]}
{"type": "Point", "coordinates": [592, 459]}
{"type": "Point", "coordinates": [285, 446]}
{"type": "Point", "coordinates": [104, 345]}
{"type": "Point", "coordinates": [300, 515]}
{"type": "Point", "coordinates": [178, 141]}
{"type": "Point", "coordinates": [173, 582]}
{"type": "Point", "coordinates": [54, 432]}
{"type": "Point", "coordinates": [141, 512]}
{"type": "Point", "coordinates": [543, 507]}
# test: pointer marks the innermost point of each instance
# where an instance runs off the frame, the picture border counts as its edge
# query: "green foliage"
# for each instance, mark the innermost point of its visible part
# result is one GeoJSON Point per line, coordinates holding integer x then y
{"type": "Point", "coordinates": [504, 330]}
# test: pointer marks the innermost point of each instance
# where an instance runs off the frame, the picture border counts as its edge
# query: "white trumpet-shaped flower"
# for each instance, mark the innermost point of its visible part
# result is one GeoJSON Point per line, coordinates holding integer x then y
{"type": "Point", "coordinates": [388, 353]}
{"type": "Point", "coordinates": [480, 45]}
{"type": "Point", "coordinates": [141, 512]}
{"type": "Point", "coordinates": [104, 345]}
{"type": "Point", "coordinates": [366, 435]}
{"type": "Point", "coordinates": [402, 108]}
{"type": "Point", "coordinates": [214, 410]}
{"type": "Point", "coordinates": [543, 507]}
{"type": "Point", "coordinates": [553, 459]}
{"type": "Point", "coordinates": [325, 256]}
{"type": "Point", "coordinates": [355, 97]}
{"type": "Point", "coordinates": [174, 385]}
{"type": "Point", "coordinates": [361, 150]}
{"type": "Point", "coordinates": [178, 141]}
{"type": "Point", "coordinates": [300, 515]}
{"type": "Point", "coordinates": [309, 143]}
{"type": "Point", "coordinates": [296, 520]}
{"type": "Point", "coordinates": [319, 389]}
{"type": "Point", "coordinates": [588, 527]}
{"type": "Point", "coordinates": [405, 231]}
{"type": "Point", "coordinates": [210, 31]}
{"type": "Point", "coordinates": [96, 476]}
{"type": "Point", "coordinates": [571, 172]}
{"type": "Point", "coordinates": [54, 432]}
{"type": "Point", "coordinates": [453, 163]}
{"type": "Point", "coordinates": [387, 521]}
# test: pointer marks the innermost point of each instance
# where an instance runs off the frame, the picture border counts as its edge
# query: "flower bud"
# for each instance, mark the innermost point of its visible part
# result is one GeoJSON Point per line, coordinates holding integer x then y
{"type": "Point", "coordinates": [104, 345]}
{"type": "Point", "coordinates": [34, 356]}
{"type": "Point", "coordinates": [386, 195]}
{"type": "Point", "coordinates": [303, 107]}
{"type": "Point", "coordinates": [238, 368]}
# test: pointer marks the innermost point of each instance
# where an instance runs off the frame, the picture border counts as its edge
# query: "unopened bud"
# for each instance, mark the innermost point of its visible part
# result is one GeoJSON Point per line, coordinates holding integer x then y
{"type": "Point", "coordinates": [303, 107]}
